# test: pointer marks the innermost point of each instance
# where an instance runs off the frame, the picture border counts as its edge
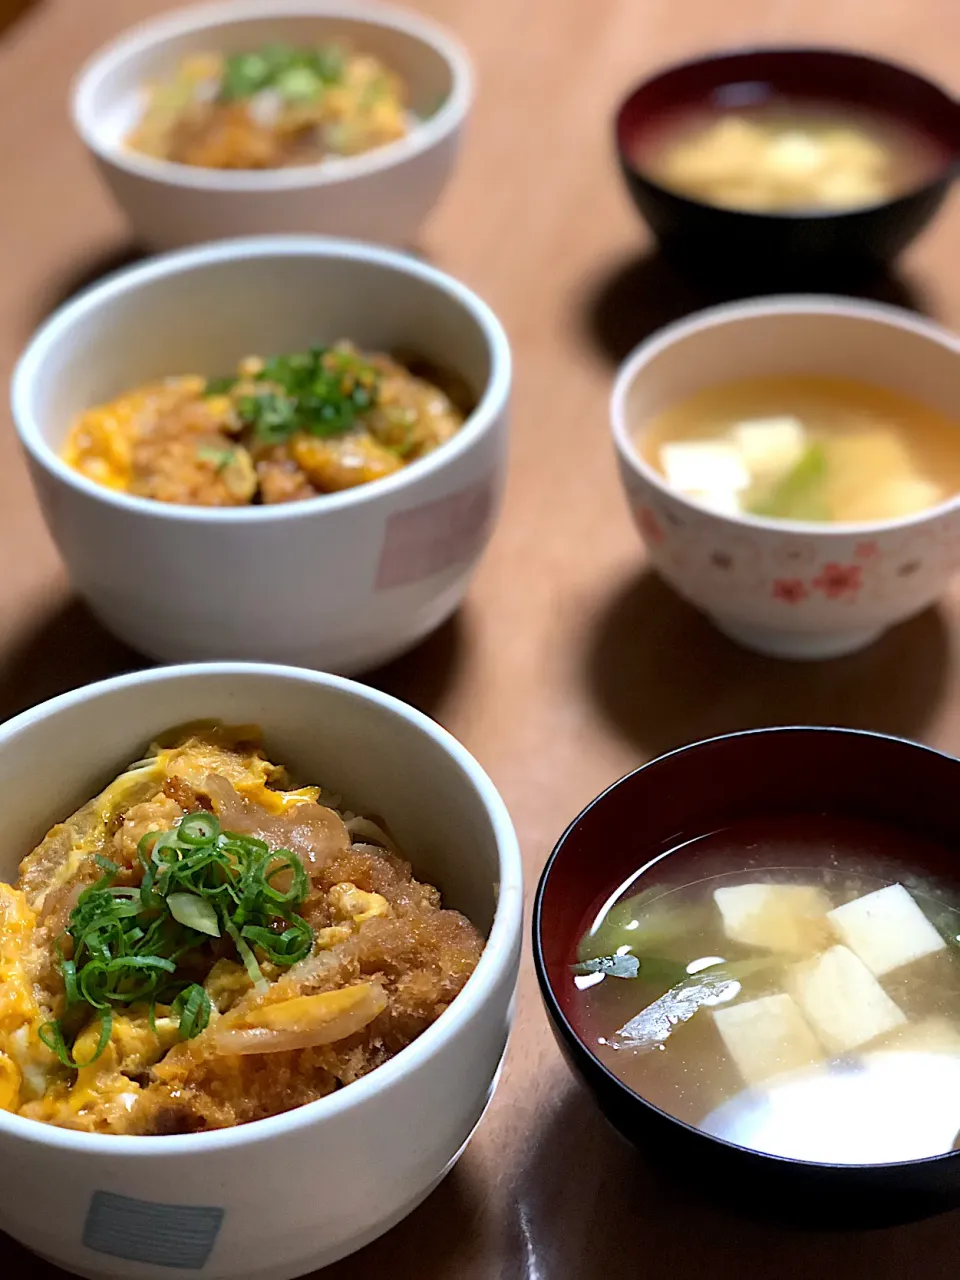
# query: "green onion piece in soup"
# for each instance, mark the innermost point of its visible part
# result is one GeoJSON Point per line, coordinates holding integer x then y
{"type": "Point", "coordinates": [644, 924]}
{"type": "Point", "coordinates": [799, 494]}
{"type": "Point", "coordinates": [653, 970]}
{"type": "Point", "coordinates": [626, 966]}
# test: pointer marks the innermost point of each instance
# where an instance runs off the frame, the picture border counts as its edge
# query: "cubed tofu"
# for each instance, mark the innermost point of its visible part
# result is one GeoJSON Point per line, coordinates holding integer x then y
{"type": "Point", "coordinates": [851, 151]}
{"type": "Point", "coordinates": [846, 188]}
{"type": "Point", "coordinates": [781, 917]}
{"type": "Point", "coordinates": [770, 447]}
{"type": "Point", "coordinates": [886, 929]}
{"type": "Point", "coordinates": [724, 501]}
{"type": "Point", "coordinates": [704, 466]}
{"type": "Point", "coordinates": [733, 146]}
{"type": "Point", "coordinates": [842, 1000]}
{"type": "Point", "coordinates": [795, 155]}
{"type": "Point", "coordinates": [767, 1037]}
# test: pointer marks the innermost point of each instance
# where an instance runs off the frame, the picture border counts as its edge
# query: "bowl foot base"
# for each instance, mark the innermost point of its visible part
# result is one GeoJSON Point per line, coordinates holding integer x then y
{"type": "Point", "coordinates": [801, 646]}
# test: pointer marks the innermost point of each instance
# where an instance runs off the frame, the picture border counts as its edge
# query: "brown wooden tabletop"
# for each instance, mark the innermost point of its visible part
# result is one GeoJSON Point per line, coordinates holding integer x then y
{"type": "Point", "coordinates": [568, 664]}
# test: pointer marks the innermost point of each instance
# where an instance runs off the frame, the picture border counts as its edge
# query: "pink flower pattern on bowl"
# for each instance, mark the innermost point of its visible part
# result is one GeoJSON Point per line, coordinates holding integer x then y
{"type": "Point", "coordinates": [789, 590]}
{"type": "Point", "coordinates": [837, 580]}
{"type": "Point", "coordinates": [795, 581]}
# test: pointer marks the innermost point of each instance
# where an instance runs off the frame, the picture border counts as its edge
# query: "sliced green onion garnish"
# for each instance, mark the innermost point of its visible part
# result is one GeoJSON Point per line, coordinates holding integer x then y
{"type": "Point", "coordinates": [321, 391]}
{"type": "Point", "coordinates": [198, 828]}
{"type": "Point", "coordinates": [195, 912]}
{"type": "Point", "coordinates": [52, 1036]}
{"type": "Point", "coordinates": [299, 84]}
{"type": "Point", "coordinates": [198, 882]}
{"type": "Point", "coordinates": [285, 948]}
{"type": "Point", "coordinates": [254, 971]}
{"type": "Point", "coordinates": [297, 73]}
{"type": "Point", "coordinates": [69, 971]}
{"type": "Point", "coordinates": [219, 386]}
{"type": "Point", "coordinates": [299, 885]}
{"type": "Point", "coordinates": [194, 1007]}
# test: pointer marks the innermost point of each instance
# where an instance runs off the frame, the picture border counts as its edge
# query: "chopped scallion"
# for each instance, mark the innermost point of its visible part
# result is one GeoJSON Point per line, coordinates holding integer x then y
{"type": "Point", "coordinates": [197, 882]}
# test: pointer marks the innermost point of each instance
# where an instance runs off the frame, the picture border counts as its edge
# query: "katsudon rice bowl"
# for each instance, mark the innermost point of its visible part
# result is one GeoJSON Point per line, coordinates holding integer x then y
{"type": "Point", "coordinates": [357, 114]}
{"type": "Point", "coordinates": [259, 934]}
{"type": "Point", "coordinates": [175, 421]}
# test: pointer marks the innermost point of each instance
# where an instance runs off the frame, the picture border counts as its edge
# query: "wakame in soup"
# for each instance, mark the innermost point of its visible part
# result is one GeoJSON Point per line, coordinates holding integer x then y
{"type": "Point", "coordinates": [805, 447]}
{"type": "Point", "coordinates": [785, 984]}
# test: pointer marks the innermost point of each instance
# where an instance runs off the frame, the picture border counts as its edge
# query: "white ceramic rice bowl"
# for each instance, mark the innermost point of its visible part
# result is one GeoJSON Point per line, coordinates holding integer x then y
{"type": "Point", "coordinates": [341, 582]}
{"type": "Point", "coordinates": [381, 195]}
{"type": "Point", "coordinates": [283, 1196]}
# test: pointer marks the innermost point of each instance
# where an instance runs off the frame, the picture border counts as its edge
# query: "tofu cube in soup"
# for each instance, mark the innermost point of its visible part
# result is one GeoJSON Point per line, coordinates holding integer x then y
{"type": "Point", "coordinates": [704, 466]}
{"type": "Point", "coordinates": [842, 1000]}
{"type": "Point", "coordinates": [780, 917]}
{"type": "Point", "coordinates": [886, 929]}
{"type": "Point", "coordinates": [770, 447]}
{"type": "Point", "coordinates": [767, 1037]}
{"type": "Point", "coordinates": [725, 502]}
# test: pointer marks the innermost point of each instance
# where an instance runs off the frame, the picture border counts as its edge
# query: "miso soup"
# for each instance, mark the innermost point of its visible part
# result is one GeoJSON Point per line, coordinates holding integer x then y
{"type": "Point", "coordinates": [804, 447]}
{"type": "Point", "coordinates": [787, 985]}
{"type": "Point", "coordinates": [787, 156]}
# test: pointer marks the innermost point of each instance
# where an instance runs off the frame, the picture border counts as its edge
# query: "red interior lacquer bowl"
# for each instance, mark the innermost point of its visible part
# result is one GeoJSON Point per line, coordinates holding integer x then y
{"type": "Point", "coordinates": [911, 790]}
{"type": "Point", "coordinates": [727, 240]}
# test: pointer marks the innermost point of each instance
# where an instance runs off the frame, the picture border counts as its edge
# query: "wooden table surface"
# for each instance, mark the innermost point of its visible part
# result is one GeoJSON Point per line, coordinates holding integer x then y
{"type": "Point", "coordinates": [569, 664]}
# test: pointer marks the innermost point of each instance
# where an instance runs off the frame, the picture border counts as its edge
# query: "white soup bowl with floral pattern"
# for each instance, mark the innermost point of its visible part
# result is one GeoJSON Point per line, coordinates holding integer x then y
{"type": "Point", "coordinates": [781, 587]}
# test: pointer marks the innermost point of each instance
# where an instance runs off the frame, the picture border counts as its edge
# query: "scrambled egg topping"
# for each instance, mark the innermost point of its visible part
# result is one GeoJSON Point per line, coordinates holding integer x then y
{"type": "Point", "coordinates": [282, 429]}
{"type": "Point", "coordinates": [238, 758]}
{"type": "Point", "coordinates": [19, 1012]}
{"type": "Point", "coordinates": [272, 107]}
{"type": "Point", "coordinates": [389, 959]}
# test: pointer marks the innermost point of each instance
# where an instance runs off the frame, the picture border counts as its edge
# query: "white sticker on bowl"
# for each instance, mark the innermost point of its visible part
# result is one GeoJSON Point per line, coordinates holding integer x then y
{"type": "Point", "coordinates": [166, 1235]}
{"type": "Point", "coordinates": [425, 540]}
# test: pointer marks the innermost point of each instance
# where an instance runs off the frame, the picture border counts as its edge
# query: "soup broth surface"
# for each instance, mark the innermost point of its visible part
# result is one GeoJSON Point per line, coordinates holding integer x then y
{"type": "Point", "coordinates": [759, 1017]}
{"type": "Point", "coordinates": [805, 447]}
{"type": "Point", "coordinates": [780, 155]}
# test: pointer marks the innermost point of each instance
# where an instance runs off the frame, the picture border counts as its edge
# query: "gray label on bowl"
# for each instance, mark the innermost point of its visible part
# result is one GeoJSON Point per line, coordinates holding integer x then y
{"type": "Point", "coordinates": [166, 1235]}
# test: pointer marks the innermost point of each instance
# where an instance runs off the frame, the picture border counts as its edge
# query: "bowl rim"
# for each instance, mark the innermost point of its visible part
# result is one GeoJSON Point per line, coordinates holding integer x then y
{"type": "Point", "coordinates": [943, 173]}
{"type": "Point", "coordinates": [501, 946]}
{"type": "Point", "coordinates": [787, 304]}
{"type": "Point", "coordinates": [578, 1044]}
{"type": "Point", "coordinates": [180, 262]}
{"type": "Point", "coordinates": [423, 136]}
